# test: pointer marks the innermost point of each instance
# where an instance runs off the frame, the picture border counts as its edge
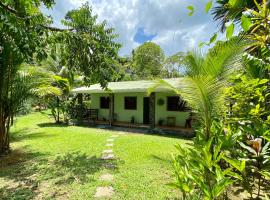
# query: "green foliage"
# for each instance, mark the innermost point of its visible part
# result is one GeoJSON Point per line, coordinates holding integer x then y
{"type": "Point", "coordinates": [229, 31]}
{"type": "Point", "coordinates": [148, 60]}
{"type": "Point", "coordinates": [208, 6]}
{"type": "Point", "coordinates": [173, 65]}
{"type": "Point", "coordinates": [198, 170]}
{"type": "Point", "coordinates": [191, 10]}
{"type": "Point", "coordinates": [245, 23]}
{"type": "Point", "coordinates": [90, 47]}
{"type": "Point", "coordinates": [206, 79]}
{"type": "Point", "coordinates": [86, 47]}
{"type": "Point", "coordinates": [247, 97]}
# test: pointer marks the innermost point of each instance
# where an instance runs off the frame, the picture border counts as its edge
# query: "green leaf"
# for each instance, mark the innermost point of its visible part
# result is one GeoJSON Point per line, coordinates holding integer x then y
{"type": "Point", "coordinates": [201, 44]}
{"type": "Point", "coordinates": [263, 81]}
{"type": "Point", "coordinates": [248, 148]}
{"type": "Point", "coordinates": [239, 165]}
{"type": "Point", "coordinates": [246, 23]}
{"type": "Point", "coordinates": [229, 31]}
{"type": "Point", "coordinates": [221, 186]}
{"type": "Point", "coordinates": [208, 6]}
{"type": "Point", "coordinates": [232, 2]}
{"type": "Point", "coordinates": [191, 9]}
{"type": "Point", "coordinates": [213, 38]}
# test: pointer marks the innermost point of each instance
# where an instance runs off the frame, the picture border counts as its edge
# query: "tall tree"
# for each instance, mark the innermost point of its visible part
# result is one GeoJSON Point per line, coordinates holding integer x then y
{"type": "Point", "coordinates": [148, 60]}
{"type": "Point", "coordinates": [25, 32]}
{"type": "Point", "coordinates": [90, 47]}
{"type": "Point", "coordinates": [173, 65]}
{"type": "Point", "coordinates": [21, 36]}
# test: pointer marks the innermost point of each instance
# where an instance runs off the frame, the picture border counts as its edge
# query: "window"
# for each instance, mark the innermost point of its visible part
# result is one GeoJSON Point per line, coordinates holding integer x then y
{"type": "Point", "coordinates": [175, 103]}
{"type": "Point", "coordinates": [130, 103]}
{"type": "Point", "coordinates": [104, 102]}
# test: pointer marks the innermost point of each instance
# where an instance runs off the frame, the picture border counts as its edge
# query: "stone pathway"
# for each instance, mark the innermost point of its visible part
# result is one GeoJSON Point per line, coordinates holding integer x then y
{"type": "Point", "coordinates": [107, 156]}
{"type": "Point", "coordinates": [106, 177]}
{"type": "Point", "coordinates": [104, 192]}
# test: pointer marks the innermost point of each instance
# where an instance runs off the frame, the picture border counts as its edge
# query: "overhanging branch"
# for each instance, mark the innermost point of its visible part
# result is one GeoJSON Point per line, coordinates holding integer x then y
{"type": "Point", "coordinates": [9, 9]}
{"type": "Point", "coordinates": [56, 29]}
{"type": "Point", "coordinates": [15, 12]}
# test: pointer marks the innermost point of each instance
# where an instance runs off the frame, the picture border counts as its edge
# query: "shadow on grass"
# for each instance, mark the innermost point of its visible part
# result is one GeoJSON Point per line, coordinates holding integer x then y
{"type": "Point", "coordinates": [144, 131]}
{"type": "Point", "coordinates": [77, 166]}
{"type": "Point", "coordinates": [160, 159]}
{"type": "Point", "coordinates": [18, 174]}
{"type": "Point", "coordinates": [31, 136]}
{"type": "Point", "coordinates": [51, 124]}
{"type": "Point", "coordinates": [25, 174]}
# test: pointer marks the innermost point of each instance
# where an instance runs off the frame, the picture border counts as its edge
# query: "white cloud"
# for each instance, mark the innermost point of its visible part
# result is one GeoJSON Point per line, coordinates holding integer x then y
{"type": "Point", "coordinates": [169, 19]}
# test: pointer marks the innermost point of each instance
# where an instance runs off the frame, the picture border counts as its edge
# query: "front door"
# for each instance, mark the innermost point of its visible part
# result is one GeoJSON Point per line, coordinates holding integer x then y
{"type": "Point", "coordinates": [146, 110]}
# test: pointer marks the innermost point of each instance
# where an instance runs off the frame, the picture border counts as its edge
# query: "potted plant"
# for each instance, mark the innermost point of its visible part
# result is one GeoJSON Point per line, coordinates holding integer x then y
{"type": "Point", "coordinates": [160, 122]}
{"type": "Point", "coordinates": [132, 120]}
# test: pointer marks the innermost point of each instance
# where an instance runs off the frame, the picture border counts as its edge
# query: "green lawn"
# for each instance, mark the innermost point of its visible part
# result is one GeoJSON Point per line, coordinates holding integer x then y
{"type": "Point", "coordinates": [50, 161]}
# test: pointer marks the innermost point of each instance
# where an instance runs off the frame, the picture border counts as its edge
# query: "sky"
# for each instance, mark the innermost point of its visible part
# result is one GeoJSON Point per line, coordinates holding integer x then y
{"type": "Point", "coordinates": [165, 22]}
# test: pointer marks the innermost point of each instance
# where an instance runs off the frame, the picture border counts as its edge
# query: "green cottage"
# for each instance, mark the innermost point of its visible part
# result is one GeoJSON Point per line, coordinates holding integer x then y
{"type": "Point", "coordinates": [128, 103]}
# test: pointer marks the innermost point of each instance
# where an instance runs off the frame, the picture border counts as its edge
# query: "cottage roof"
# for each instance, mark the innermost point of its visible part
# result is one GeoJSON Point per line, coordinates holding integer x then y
{"type": "Point", "coordinates": [129, 86]}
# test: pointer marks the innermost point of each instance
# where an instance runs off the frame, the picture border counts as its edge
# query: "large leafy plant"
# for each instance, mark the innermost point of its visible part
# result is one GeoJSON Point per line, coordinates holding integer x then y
{"type": "Point", "coordinates": [202, 170]}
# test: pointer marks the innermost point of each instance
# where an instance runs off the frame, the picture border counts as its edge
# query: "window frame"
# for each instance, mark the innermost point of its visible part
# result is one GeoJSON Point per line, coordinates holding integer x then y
{"type": "Point", "coordinates": [125, 103]}
{"type": "Point", "coordinates": [101, 105]}
{"type": "Point", "coordinates": [177, 108]}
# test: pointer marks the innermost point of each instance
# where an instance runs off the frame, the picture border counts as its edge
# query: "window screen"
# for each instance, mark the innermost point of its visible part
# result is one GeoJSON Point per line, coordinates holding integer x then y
{"type": "Point", "coordinates": [130, 103]}
{"type": "Point", "coordinates": [104, 102]}
{"type": "Point", "coordinates": [175, 103]}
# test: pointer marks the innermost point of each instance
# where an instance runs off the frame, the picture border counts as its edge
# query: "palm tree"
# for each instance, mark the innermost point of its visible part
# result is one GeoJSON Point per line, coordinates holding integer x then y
{"type": "Point", "coordinates": [226, 10]}
{"type": "Point", "coordinates": [28, 82]}
{"type": "Point", "coordinates": [206, 77]}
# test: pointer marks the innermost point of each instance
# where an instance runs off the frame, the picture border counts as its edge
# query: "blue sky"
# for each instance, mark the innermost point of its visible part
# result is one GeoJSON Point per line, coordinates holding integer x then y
{"type": "Point", "coordinates": [165, 22]}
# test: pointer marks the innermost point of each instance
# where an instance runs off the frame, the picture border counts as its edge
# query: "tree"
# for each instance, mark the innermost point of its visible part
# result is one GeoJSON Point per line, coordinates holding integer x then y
{"type": "Point", "coordinates": [228, 10]}
{"type": "Point", "coordinates": [173, 65]}
{"type": "Point", "coordinates": [254, 19]}
{"type": "Point", "coordinates": [26, 33]}
{"type": "Point", "coordinates": [206, 78]}
{"type": "Point", "coordinates": [148, 60]}
{"type": "Point", "coordinates": [21, 37]}
{"type": "Point", "coordinates": [126, 69]}
{"type": "Point", "coordinates": [90, 47]}
{"type": "Point", "coordinates": [198, 170]}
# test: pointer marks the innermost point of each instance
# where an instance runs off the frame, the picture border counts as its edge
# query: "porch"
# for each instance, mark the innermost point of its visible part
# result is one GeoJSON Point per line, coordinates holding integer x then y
{"type": "Point", "coordinates": [177, 130]}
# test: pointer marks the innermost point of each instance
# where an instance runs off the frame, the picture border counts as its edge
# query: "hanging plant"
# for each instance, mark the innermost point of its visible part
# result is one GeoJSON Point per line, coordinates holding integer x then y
{"type": "Point", "coordinates": [160, 102]}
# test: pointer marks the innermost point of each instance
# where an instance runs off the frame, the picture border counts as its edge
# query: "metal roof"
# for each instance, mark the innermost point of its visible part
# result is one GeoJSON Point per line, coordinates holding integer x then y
{"type": "Point", "coordinates": [129, 86]}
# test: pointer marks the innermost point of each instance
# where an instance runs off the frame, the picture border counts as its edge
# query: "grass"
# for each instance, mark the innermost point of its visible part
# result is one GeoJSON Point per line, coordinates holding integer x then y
{"type": "Point", "coordinates": [50, 161]}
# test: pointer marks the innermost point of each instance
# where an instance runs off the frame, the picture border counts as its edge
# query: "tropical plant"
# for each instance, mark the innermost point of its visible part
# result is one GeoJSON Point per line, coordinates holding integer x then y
{"type": "Point", "coordinates": [206, 78]}
{"type": "Point", "coordinates": [88, 47]}
{"type": "Point", "coordinates": [199, 171]}
{"type": "Point", "coordinates": [148, 60]}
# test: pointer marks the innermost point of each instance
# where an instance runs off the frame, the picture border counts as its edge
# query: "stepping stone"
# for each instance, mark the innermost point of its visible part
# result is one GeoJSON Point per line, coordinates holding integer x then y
{"type": "Point", "coordinates": [107, 151]}
{"type": "Point", "coordinates": [110, 166]}
{"type": "Point", "coordinates": [104, 192]}
{"type": "Point", "coordinates": [121, 133]}
{"type": "Point", "coordinates": [107, 157]}
{"type": "Point", "coordinates": [110, 140]}
{"type": "Point", "coordinates": [114, 136]}
{"type": "Point", "coordinates": [106, 177]}
{"type": "Point", "coordinates": [109, 145]}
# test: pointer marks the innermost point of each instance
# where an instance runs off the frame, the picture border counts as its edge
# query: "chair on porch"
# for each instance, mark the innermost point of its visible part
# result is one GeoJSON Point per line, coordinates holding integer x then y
{"type": "Point", "coordinates": [171, 121]}
{"type": "Point", "coordinates": [92, 115]}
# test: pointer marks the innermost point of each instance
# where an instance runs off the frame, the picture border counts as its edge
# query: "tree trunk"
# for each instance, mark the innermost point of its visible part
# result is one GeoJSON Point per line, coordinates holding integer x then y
{"type": "Point", "coordinates": [4, 134]}
{"type": "Point", "coordinates": [58, 112]}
